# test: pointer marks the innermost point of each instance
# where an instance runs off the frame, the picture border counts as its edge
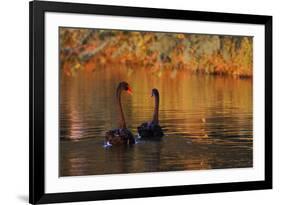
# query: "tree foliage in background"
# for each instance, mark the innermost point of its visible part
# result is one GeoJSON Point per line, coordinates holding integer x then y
{"type": "Point", "coordinates": [90, 49]}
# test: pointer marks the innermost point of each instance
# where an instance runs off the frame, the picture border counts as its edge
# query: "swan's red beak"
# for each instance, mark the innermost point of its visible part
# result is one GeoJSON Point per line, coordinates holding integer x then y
{"type": "Point", "coordinates": [130, 91]}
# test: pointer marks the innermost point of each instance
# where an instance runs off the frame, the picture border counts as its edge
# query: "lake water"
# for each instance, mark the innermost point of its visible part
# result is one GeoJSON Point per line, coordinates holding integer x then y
{"type": "Point", "coordinates": [207, 121]}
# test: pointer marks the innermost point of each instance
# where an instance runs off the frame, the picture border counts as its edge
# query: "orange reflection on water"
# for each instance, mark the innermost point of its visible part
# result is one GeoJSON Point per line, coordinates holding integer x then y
{"type": "Point", "coordinates": [207, 121]}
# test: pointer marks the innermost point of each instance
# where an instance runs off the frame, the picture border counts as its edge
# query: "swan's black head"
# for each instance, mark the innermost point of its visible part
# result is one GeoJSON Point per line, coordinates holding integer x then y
{"type": "Point", "coordinates": [125, 86]}
{"type": "Point", "coordinates": [154, 92]}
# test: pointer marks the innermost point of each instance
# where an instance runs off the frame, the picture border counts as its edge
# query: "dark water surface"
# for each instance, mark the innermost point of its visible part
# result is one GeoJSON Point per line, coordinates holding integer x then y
{"type": "Point", "coordinates": [207, 121]}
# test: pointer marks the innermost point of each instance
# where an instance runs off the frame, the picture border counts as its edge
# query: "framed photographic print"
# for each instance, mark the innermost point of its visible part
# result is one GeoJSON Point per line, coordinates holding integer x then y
{"type": "Point", "coordinates": [140, 102]}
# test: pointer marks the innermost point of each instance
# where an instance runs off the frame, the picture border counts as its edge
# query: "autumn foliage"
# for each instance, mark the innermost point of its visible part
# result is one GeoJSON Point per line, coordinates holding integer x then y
{"type": "Point", "coordinates": [90, 49]}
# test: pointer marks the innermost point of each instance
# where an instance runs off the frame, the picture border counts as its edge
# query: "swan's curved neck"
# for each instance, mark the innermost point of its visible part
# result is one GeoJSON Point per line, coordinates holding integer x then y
{"type": "Point", "coordinates": [156, 109]}
{"type": "Point", "coordinates": [122, 123]}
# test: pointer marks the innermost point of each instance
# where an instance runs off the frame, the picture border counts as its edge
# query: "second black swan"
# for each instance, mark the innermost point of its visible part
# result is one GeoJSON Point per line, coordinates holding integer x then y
{"type": "Point", "coordinates": [152, 129]}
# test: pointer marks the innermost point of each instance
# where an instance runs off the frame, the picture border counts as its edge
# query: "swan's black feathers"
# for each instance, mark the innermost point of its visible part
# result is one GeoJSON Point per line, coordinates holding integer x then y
{"type": "Point", "coordinates": [119, 136]}
{"type": "Point", "coordinates": [150, 130]}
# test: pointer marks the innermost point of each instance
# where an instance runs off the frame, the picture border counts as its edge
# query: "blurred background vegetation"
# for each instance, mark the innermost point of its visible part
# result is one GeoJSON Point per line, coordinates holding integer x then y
{"type": "Point", "coordinates": [90, 49]}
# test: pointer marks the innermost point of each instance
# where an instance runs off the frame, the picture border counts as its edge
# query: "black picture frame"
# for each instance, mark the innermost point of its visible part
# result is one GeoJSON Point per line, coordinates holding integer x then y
{"type": "Point", "coordinates": [37, 9]}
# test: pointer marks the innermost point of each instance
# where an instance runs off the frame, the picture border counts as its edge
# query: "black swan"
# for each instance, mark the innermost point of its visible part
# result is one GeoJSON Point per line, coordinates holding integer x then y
{"type": "Point", "coordinates": [152, 130]}
{"type": "Point", "coordinates": [120, 135]}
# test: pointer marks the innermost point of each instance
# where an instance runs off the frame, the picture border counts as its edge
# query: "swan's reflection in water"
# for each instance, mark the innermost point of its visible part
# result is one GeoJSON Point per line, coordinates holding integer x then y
{"type": "Point", "coordinates": [207, 121]}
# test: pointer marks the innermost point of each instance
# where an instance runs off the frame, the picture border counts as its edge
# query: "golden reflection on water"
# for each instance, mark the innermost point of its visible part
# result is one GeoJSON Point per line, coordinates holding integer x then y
{"type": "Point", "coordinates": [207, 122]}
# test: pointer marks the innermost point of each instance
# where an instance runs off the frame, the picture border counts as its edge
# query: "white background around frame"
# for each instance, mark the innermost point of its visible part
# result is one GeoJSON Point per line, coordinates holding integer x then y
{"type": "Point", "coordinates": [55, 184]}
{"type": "Point", "coordinates": [14, 101]}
